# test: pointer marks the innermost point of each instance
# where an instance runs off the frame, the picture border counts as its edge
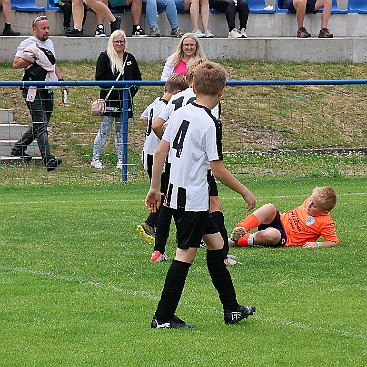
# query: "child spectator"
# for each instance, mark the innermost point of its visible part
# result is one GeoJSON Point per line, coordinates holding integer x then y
{"type": "Point", "coordinates": [197, 8]}
{"type": "Point", "coordinates": [301, 226]}
{"type": "Point", "coordinates": [193, 142]}
{"type": "Point", "coordinates": [167, 6]}
{"type": "Point", "coordinates": [66, 7]}
{"type": "Point", "coordinates": [136, 10]}
{"type": "Point", "coordinates": [230, 8]}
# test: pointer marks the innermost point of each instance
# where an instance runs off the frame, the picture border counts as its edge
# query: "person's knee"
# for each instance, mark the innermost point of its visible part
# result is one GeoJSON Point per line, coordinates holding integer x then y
{"type": "Point", "coordinates": [268, 237]}
{"type": "Point", "coordinates": [299, 3]}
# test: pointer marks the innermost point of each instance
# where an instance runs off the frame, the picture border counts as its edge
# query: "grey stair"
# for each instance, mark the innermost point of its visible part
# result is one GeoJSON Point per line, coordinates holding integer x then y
{"type": "Point", "coordinates": [9, 134]}
{"type": "Point", "coordinates": [6, 116]}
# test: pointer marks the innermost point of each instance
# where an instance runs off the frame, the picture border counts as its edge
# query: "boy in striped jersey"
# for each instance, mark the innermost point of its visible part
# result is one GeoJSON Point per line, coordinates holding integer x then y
{"type": "Point", "coordinates": [193, 142]}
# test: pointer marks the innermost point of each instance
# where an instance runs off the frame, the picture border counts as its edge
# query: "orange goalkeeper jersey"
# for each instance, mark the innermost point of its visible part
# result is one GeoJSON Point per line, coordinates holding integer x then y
{"type": "Point", "coordinates": [301, 227]}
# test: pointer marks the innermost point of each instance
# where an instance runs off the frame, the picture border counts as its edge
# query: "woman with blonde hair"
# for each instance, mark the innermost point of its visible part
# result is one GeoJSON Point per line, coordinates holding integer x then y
{"type": "Point", "coordinates": [188, 49]}
{"type": "Point", "coordinates": [115, 63]}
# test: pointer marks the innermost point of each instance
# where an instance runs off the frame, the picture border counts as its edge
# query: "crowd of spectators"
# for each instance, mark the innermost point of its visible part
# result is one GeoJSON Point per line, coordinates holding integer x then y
{"type": "Point", "coordinates": [199, 10]}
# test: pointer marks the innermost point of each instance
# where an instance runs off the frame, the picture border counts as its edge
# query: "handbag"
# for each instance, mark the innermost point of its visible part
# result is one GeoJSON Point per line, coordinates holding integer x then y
{"type": "Point", "coordinates": [99, 106]}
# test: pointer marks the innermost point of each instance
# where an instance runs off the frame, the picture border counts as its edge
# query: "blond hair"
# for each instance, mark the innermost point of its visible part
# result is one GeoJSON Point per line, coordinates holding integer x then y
{"type": "Point", "coordinates": [117, 65]}
{"type": "Point", "coordinates": [192, 64]}
{"type": "Point", "coordinates": [209, 78]}
{"type": "Point", "coordinates": [325, 197]}
{"type": "Point", "coordinates": [179, 53]}
{"type": "Point", "coordinates": [175, 82]}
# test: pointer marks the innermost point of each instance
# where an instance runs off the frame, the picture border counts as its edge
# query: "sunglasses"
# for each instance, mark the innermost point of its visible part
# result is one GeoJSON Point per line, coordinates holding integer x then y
{"type": "Point", "coordinates": [42, 17]}
{"type": "Point", "coordinates": [118, 42]}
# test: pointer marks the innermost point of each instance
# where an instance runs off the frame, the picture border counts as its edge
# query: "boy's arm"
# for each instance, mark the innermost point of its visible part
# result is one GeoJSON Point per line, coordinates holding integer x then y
{"type": "Point", "coordinates": [153, 198]}
{"type": "Point", "coordinates": [317, 244]}
{"type": "Point", "coordinates": [157, 126]}
{"type": "Point", "coordinates": [225, 177]}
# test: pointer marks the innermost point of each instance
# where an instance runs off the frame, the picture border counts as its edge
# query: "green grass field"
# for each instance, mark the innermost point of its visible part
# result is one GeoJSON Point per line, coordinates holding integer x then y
{"type": "Point", "coordinates": [77, 287]}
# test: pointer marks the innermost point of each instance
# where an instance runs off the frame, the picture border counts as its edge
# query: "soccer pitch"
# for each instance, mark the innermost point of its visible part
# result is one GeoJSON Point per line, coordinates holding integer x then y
{"type": "Point", "coordinates": [77, 287]}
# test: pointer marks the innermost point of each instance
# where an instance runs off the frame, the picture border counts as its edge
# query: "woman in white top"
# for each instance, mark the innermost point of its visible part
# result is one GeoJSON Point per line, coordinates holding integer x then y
{"type": "Point", "coordinates": [188, 48]}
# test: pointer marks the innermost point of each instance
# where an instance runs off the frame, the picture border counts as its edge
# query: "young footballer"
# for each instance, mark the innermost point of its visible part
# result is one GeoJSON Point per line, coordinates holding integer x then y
{"type": "Point", "coordinates": [301, 226]}
{"type": "Point", "coordinates": [193, 142]}
{"type": "Point", "coordinates": [177, 101]}
{"type": "Point", "coordinates": [174, 84]}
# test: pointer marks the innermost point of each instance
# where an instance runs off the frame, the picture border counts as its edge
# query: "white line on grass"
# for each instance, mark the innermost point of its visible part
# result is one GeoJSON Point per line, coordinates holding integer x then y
{"type": "Point", "coordinates": [139, 293]}
{"type": "Point", "coordinates": [141, 200]}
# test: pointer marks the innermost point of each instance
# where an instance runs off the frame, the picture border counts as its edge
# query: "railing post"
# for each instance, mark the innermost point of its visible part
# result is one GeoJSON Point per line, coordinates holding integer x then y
{"type": "Point", "coordinates": [125, 131]}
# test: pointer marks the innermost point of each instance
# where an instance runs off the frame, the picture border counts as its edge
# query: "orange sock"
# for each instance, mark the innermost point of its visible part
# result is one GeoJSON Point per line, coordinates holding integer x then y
{"type": "Point", "coordinates": [243, 241]}
{"type": "Point", "coordinates": [250, 222]}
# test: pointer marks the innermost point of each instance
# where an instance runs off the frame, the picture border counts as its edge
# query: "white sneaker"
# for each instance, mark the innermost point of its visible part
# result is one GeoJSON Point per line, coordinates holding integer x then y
{"type": "Point", "coordinates": [96, 163]}
{"type": "Point", "coordinates": [119, 164]}
{"type": "Point", "coordinates": [198, 33]}
{"type": "Point", "coordinates": [234, 33]}
{"type": "Point", "coordinates": [208, 34]}
{"type": "Point", "coordinates": [243, 33]}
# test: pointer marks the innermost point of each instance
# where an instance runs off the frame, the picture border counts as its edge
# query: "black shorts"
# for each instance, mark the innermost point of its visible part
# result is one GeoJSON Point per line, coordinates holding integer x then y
{"type": "Point", "coordinates": [277, 224]}
{"type": "Point", "coordinates": [310, 6]}
{"type": "Point", "coordinates": [192, 226]}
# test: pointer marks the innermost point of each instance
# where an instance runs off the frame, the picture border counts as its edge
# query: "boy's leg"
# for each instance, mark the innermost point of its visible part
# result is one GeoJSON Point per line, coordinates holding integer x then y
{"type": "Point", "coordinates": [162, 230]}
{"type": "Point", "coordinates": [172, 290]}
{"type": "Point", "coordinates": [268, 234]}
{"type": "Point", "coordinates": [222, 281]}
{"type": "Point", "coordinates": [190, 228]}
{"type": "Point", "coordinates": [218, 218]}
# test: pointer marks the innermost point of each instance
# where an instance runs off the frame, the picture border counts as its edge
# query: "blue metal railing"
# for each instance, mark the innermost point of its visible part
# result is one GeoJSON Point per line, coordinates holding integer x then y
{"type": "Point", "coordinates": [126, 84]}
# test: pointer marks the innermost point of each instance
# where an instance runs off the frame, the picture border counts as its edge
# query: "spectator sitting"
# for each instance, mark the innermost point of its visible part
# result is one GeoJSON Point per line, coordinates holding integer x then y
{"type": "Point", "coordinates": [230, 8]}
{"type": "Point", "coordinates": [99, 8]}
{"type": "Point", "coordinates": [66, 7]}
{"type": "Point", "coordinates": [169, 6]}
{"type": "Point", "coordinates": [197, 7]}
{"type": "Point", "coordinates": [8, 31]}
{"type": "Point", "coordinates": [300, 7]}
{"type": "Point", "coordinates": [136, 10]}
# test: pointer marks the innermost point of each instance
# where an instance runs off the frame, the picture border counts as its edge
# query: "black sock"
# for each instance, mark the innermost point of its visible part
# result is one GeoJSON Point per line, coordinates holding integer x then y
{"type": "Point", "coordinates": [162, 229]}
{"type": "Point", "coordinates": [7, 26]}
{"type": "Point", "coordinates": [221, 279]}
{"type": "Point", "coordinates": [172, 290]}
{"type": "Point", "coordinates": [219, 221]}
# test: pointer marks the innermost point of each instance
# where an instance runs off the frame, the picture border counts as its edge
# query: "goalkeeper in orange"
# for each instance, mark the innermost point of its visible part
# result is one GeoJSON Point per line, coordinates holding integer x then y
{"type": "Point", "coordinates": [302, 226]}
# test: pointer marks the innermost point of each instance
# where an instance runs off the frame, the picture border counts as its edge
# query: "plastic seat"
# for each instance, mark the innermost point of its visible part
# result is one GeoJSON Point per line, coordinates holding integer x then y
{"type": "Point", "coordinates": [258, 7]}
{"type": "Point", "coordinates": [357, 6]}
{"type": "Point", "coordinates": [26, 5]}
{"type": "Point", "coordinates": [335, 9]}
{"type": "Point", "coordinates": [51, 6]}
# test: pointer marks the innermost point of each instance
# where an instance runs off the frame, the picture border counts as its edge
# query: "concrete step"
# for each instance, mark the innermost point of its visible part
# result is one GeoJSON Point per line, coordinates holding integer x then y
{"type": "Point", "coordinates": [6, 116]}
{"type": "Point", "coordinates": [9, 134]}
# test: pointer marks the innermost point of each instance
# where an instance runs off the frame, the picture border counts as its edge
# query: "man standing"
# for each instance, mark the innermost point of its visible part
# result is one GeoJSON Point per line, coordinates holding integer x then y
{"type": "Point", "coordinates": [36, 55]}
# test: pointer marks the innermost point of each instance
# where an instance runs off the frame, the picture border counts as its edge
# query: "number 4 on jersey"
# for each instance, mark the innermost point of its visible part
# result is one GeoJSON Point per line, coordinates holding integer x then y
{"type": "Point", "coordinates": [180, 137]}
